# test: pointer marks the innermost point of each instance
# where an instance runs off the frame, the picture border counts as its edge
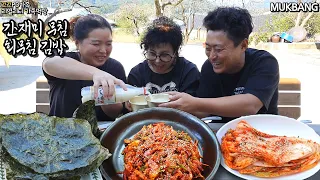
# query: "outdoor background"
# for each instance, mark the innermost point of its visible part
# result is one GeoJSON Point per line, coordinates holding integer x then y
{"type": "Point", "coordinates": [129, 18]}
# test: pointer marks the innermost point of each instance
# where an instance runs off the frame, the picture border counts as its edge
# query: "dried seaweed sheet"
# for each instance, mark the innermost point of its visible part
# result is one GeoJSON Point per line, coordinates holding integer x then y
{"type": "Point", "coordinates": [87, 111]}
{"type": "Point", "coordinates": [37, 146]}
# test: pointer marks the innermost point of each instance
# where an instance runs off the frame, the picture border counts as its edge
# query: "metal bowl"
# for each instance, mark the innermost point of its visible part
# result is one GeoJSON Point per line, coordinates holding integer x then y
{"type": "Point", "coordinates": [128, 125]}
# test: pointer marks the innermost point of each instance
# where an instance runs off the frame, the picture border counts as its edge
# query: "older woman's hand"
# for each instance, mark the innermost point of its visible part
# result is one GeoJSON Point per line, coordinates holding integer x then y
{"type": "Point", "coordinates": [107, 81]}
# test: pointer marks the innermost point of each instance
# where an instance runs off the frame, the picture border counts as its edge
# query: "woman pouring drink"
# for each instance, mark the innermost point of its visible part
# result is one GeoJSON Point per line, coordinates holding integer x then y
{"type": "Point", "coordinates": [90, 65]}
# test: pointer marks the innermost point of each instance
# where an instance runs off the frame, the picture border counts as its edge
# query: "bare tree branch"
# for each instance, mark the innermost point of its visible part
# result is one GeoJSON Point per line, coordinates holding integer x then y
{"type": "Point", "coordinates": [166, 4]}
{"type": "Point", "coordinates": [135, 23]}
{"type": "Point", "coordinates": [170, 3]}
{"type": "Point", "coordinates": [298, 19]}
{"type": "Point", "coordinates": [34, 4]}
{"type": "Point", "coordinates": [160, 5]}
{"type": "Point", "coordinates": [306, 19]}
{"type": "Point", "coordinates": [59, 10]}
{"type": "Point", "coordinates": [192, 25]}
{"type": "Point", "coordinates": [181, 16]}
{"type": "Point", "coordinates": [86, 7]}
{"type": "Point", "coordinates": [133, 16]}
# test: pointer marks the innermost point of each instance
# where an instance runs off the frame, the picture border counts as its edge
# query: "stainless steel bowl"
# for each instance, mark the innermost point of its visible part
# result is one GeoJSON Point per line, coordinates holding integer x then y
{"type": "Point", "coordinates": [128, 125]}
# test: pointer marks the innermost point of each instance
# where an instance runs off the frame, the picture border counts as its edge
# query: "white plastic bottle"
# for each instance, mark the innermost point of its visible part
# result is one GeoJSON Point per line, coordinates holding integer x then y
{"type": "Point", "coordinates": [119, 96]}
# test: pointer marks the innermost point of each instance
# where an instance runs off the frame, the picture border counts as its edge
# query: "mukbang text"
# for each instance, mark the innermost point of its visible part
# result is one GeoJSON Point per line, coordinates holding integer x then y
{"type": "Point", "coordinates": [294, 7]}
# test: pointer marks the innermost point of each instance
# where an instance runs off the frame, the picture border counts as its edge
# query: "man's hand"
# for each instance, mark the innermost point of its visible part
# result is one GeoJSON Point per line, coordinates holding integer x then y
{"type": "Point", "coordinates": [128, 106]}
{"type": "Point", "coordinates": [182, 101]}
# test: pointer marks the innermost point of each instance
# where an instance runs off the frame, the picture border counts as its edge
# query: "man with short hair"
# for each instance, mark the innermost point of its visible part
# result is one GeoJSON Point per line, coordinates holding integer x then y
{"type": "Point", "coordinates": [235, 80]}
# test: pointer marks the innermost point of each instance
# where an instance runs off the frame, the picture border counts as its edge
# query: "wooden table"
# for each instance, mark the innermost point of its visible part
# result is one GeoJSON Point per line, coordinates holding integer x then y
{"type": "Point", "coordinates": [222, 173]}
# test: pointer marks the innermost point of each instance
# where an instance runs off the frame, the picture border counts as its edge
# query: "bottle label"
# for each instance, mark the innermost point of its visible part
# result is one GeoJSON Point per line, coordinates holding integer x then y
{"type": "Point", "coordinates": [100, 100]}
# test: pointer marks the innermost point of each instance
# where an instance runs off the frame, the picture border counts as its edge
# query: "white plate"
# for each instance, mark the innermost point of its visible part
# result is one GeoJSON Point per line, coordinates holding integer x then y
{"type": "Point", "coordinates": [276, 125]}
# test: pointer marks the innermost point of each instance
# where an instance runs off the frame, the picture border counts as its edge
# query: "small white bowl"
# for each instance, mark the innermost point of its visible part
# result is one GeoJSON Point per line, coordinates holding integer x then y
{"type": "Point", "coordinates": [154, 100]}
{"type": "Point", "coordinates": [138, 102]}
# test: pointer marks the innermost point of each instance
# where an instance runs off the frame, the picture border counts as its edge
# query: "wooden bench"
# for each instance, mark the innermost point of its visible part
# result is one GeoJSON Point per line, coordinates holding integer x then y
{"type": "Point", "coordinates": [42, 95]}
{"type": "Point", "coordinates": [289, 101]}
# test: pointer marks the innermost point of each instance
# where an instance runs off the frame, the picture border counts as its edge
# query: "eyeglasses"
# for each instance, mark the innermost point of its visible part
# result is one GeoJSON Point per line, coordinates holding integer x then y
{"type": "Point", "coordinates": [152, 56]}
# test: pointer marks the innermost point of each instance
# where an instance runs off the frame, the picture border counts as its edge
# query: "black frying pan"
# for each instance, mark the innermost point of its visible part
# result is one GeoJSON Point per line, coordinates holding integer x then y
{"type": "Point", "coordinates": [128, 125]}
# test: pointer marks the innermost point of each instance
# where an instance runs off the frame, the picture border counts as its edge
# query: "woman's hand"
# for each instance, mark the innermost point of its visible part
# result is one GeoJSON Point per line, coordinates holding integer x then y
{"type": "Point", "coordinates": [107, 81]}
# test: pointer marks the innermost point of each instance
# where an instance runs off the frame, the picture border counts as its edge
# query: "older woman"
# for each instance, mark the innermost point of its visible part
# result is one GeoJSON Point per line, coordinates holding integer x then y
{"type": "Point", "coordinates": [163, 69]}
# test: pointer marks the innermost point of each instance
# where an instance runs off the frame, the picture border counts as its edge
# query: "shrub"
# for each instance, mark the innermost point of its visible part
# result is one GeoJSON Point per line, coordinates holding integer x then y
{"type": "Point", "coordinates": [259, 37]}
{"type": "Point", "coordinates": [313, 24]}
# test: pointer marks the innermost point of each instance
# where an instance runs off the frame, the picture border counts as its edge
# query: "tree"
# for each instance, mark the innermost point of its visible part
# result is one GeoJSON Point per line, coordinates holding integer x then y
{"type": "Point", "coordinates": [133, 16]}
{"type": "Point", "coordinates": [34, 4]}
{"type": "Point", "coordinates": [161, 4]}
{"type": "Point", "coordinates": [63, 6]}
{"type": "Point", "coordinates": [302, 18]}
{"type": "Point", "coordinates": [313, 24]}
{"type": "Point", "coordinates": [187, 11]}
